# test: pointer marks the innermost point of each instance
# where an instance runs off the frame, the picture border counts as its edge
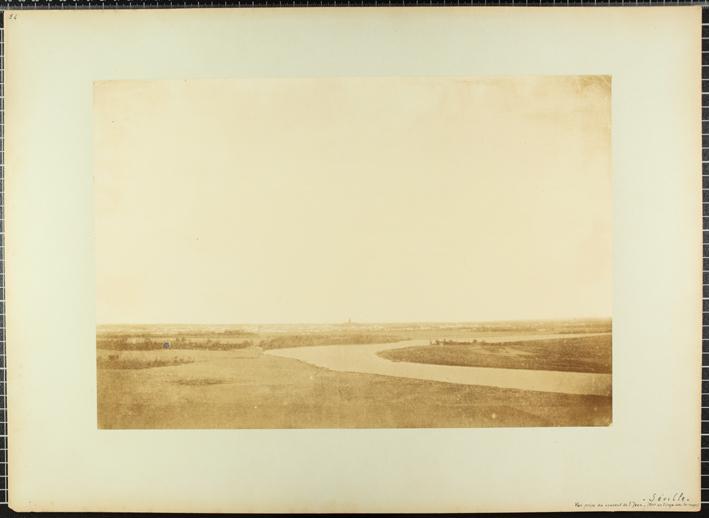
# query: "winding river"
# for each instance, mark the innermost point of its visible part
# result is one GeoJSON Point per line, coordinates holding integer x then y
{"type": "Point", "coordinates": [365, 359]}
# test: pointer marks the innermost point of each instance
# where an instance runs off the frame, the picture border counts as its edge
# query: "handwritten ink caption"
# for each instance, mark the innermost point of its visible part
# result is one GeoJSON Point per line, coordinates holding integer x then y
{"type": "Point", "coordinates": [654, 501]}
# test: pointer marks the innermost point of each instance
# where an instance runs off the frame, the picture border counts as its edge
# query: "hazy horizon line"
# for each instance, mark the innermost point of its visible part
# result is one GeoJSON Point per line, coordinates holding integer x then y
{"type": "Point", "coordinates": [362, 322]}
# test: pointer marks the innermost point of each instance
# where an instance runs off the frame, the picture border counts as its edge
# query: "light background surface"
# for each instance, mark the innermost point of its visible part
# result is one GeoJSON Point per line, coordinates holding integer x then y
{"type": "Point", "coordinates": [60, 461]}
{"type": "Point", "coordinates": [371, 199]}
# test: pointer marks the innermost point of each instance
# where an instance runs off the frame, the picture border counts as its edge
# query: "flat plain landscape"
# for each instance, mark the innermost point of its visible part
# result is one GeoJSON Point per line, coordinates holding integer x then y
{"type": "Point", "coordinates": [247, 376]}
{"type": "Point", "coordinates": [414, 232]}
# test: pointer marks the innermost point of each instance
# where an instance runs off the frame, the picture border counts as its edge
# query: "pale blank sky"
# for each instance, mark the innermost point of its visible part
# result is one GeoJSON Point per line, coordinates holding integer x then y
{"type": "Point", "coordinates": [382, 199]}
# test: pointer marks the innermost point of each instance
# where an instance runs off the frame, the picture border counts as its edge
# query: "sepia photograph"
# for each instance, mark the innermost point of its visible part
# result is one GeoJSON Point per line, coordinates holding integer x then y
{"type": "Point", "coordinates": [346, 260]}
{"type": "Point", "coordinates": [353, 252]}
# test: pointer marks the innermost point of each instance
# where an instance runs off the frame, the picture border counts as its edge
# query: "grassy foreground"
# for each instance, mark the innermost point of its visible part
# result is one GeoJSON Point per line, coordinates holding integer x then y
{"type": "Point", "coordinates": [245, 388]}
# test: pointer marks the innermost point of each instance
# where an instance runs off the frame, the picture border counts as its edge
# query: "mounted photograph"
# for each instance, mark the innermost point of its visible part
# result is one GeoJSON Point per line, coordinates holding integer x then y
{"type": "Point", "coordinates": [353, 252]}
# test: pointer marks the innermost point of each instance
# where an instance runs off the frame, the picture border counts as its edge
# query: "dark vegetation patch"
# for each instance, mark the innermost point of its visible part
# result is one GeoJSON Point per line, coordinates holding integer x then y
{"type": "Point", "coordinates": [200, 382]}
{"type": "Point", "coordinates": [116, 361]}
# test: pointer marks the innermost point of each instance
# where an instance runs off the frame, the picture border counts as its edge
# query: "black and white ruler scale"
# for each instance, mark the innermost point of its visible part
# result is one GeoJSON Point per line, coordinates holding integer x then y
{"type": "Point", "coordinates": [176, 4]}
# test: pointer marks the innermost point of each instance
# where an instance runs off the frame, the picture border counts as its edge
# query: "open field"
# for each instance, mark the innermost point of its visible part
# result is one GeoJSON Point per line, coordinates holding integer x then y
{"type": "Point", "coordinates": [577, 354]}
{"type": "Point", "coordinates": [270, 336]}
{"type": "Point", "coordinates": [248, 389]}
{"type": "Point", "coordinates": [209, 378]}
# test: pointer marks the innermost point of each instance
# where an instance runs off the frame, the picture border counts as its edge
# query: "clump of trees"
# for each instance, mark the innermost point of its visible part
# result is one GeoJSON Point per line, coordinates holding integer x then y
{"type": "Point", "coordinates": [299, 340]}
{"type": "Point", "coordinates": [455, 342]}
{"type": "Point", "coordinates": [152, 343]}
